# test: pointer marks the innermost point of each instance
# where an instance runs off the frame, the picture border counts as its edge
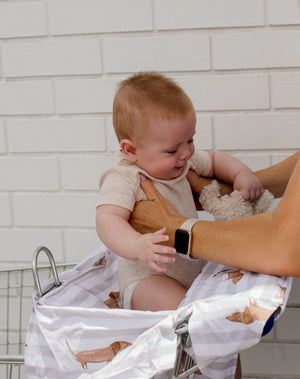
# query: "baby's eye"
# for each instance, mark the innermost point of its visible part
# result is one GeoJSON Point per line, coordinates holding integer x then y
{"type": "Point", "coordinates": [172, 151]}
{"type": "Point", "coordinates": [190, 141]}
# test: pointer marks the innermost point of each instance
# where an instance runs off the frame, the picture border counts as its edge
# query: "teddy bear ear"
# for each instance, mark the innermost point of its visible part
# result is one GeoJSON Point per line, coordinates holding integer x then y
{"type": "Point", "coordinates": [263, 203]}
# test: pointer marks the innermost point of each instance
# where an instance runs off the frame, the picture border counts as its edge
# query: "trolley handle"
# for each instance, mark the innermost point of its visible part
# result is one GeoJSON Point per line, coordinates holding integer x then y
{"type": "Point", "coordinates": [56, 282]}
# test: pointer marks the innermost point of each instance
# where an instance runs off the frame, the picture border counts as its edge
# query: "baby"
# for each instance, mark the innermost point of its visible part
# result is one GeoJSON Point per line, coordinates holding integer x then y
{"type": "Point", "coordinates": [155, 123]}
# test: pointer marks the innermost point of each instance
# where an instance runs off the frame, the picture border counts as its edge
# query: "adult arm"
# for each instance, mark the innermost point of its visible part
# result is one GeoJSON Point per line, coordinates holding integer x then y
{"type": "Point", "coordinates": [267, 243]}
{"type": "Point", "coordinates": [274, 178]}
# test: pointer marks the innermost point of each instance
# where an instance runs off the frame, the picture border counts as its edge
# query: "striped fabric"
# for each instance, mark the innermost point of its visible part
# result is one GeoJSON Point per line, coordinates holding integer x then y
{"type": "Point", "coordinates": [226, 309]}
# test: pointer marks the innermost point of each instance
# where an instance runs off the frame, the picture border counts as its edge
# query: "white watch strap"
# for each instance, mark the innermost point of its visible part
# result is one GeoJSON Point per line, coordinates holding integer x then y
{"type": "Point", "coordinates": [188, 224]}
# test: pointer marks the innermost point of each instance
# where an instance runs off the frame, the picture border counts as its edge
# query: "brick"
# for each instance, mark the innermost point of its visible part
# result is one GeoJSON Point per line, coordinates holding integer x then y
{"type": "Point", "coordinates": [203, 137]}
{"type": "Point", "coordinates": [281, 12]}
{"type": "Point", "coordinates": [288, 325]}
{"type": "Point", "coordinates": [256, 50]}
{"type": "Point", "coordinates": [189, 14]}
{"type": "Point", "coordinates": [19, 245]}
{"type": "Point", "coordinates": [227, 92]}
{"type": "Point", "coordinates": [275, 360]}
{"type": "Point", "coordinates": [22, 19]}
{"type": "Point", "coordinates": [28, 174]}
{"type": "Point", "coordinates": [176, 53]}
{"type": "Point", "coordinates": [294, 298]}
{"type": "Point", "coordinates": [2, 138]}
{"type": "Point", "coordinates": [63, 135]}
{"type": "Point", "coordinates": [257, 131]}
{"type": "Point", "coordinates": [112, 140]}
{"type": "Point", "coordinates": [54, 210]}
{"type": "Point", "coordinates": [286, 89]}
{"type": "Point", "coordinates": [278, 157]}
{"type": "Point", "coordinates": [24, 98]}
{"type": "Point", "coordinates": [5, 214]}
{"type": "Point", "coordinates": [52, 57]}
{"type": "Point", "coordinates": [83, 173]}
{"type": "Point", "coordinates": [99, 16]}
{"type": "Point", "coordinates": [255, 161]}
{"type": "Point", "coordinates": [85, 95]}
{"type": "Point", "coordinates": [80, 243]}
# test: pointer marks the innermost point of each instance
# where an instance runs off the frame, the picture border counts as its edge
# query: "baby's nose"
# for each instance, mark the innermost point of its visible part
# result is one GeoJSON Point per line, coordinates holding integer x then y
{"type": "Point", "coordinates": [185, 153]}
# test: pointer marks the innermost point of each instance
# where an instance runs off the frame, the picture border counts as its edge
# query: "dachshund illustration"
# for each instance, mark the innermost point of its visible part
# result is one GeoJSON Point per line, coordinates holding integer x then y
{"type": "Point", "coordinates": [282, 293]}
{"type": "Point", "coordinates": [250, 314]}
{"type": "Point", "coordinates": [236, 276]}
{"type": "Point", "coordinates": [112, 302]}
{"type": "Point", "coordinates": [99, 355]}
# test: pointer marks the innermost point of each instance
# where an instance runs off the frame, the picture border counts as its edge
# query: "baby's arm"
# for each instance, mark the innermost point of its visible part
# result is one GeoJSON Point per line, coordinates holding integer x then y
{"type": "Point", "coordinates": [231, 170]}
{"type": "Point", "coordinates": [116, 233]}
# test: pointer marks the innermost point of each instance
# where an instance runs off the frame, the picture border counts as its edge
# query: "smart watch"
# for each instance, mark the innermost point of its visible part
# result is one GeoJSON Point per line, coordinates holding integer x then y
{"type": "Point", "coordinates": [183, 237]}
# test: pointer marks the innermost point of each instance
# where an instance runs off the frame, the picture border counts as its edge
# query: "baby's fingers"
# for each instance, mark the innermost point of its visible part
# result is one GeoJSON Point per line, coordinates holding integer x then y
{"type": "Point", "coordinates": [155, 264]}
{"type": "Point", "coordinates": [160, 236]}
{"type": "Point", "coordinates": [157, 267]}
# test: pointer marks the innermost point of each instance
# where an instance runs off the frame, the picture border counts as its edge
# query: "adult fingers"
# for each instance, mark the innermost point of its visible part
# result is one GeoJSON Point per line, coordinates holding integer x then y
{"type": "Point", "coordinates": [152, 194]}
{"type": "Point", "coordinates": [197, 183]}
{"type": "Point", "coordinates": [148, 187]}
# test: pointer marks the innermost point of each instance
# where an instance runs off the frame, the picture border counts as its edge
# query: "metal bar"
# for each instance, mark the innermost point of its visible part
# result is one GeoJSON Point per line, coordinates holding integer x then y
{"type": "Point", "coordinates": [187, 373]}
{"type": "Point", "coordinates": [20, 309]}
{"type": "Point", "coordinates": [11, 359]}
{"type": "Point", "coordinates": [183, 360]}
{"type": "Point", "coordinates": [35, 269]}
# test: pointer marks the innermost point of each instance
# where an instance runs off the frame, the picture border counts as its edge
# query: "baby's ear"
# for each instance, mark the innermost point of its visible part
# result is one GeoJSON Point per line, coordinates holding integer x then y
{"type": "Point", "coordinates": [129, 150]}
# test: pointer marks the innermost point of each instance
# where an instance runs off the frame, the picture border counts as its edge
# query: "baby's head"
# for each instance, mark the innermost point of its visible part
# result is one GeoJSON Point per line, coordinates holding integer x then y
{"type": "Point", "coordinates": [144, 97]}
{"type": "Point", "coordinates": [154, 121]}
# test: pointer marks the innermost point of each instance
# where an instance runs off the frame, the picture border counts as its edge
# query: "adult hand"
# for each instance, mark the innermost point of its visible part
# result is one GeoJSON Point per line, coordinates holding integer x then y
{"type": "Point", "coordinates": [155, 213]}
{"type": "Point", "coordinates": [198, 183]}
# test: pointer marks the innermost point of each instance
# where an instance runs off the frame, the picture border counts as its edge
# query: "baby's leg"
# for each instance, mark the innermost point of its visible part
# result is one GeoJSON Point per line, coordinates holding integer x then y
{"type": "Point", "coordinates": [157, 293]}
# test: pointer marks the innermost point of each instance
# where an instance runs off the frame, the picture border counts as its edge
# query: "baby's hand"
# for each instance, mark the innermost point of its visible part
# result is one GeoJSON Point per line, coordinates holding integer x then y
{"type": "Point", "coordinates": [150, 251]}
{"type": "Point", "coordinates": [249, 185]}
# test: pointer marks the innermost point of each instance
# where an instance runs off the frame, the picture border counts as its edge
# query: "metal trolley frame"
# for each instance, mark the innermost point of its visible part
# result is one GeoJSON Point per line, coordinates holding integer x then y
{"type": "Point", "coordinates": [16, 288]}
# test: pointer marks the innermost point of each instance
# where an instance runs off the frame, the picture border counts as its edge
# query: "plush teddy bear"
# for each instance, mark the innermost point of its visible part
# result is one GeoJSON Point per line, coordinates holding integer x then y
{"type": "Point", "coordinates": [229, 207]}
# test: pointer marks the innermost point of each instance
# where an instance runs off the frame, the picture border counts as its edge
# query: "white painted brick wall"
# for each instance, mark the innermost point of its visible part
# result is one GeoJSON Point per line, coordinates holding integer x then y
{"type": "Point", "coordinates": [283, 12]}
{"type": "Point", "coordinates": [188, 14]}
{"type": "Point", "coordinates": [286, 89]}
{"type": "Point", "coordinates": [56, 135]}
{"type": "Point", "coordinates": [256, 50]}
{"type": "Point", "coordinates": [2, 138]}
{"type": "Point", "coordinates": [185, 53]}
{"type": "Point", "coordinates": [51, 57]}
{"type": "Point", "coordinates": [26, 97]}
{"type": "Point", "coordinates": [227, 92]}
{"type": "Point", "coordinates": [99, 16]}
{"type": "Point", "coordinates": [82, 173]}
{"type": "Point", "coordinates": [54, 210]}
{"type": "Point", "coordinates": [60, 63]}
{"type": "Point", "coordinates": [257, 131]}
{"type": "Point", "coordinates": [33, 174]}
{"type": "Point", "coordinates": [22, 19]}
{"type": "Point", "coordinates": [5, 214]}
{"type": "Point", "coordinates": [85, 95]}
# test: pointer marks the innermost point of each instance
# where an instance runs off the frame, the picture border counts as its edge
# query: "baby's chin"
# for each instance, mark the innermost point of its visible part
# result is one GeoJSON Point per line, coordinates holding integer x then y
{"type": "Point", "coordinates": [175, 173]}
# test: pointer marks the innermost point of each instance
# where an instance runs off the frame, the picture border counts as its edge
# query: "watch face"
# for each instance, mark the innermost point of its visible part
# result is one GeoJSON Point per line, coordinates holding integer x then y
{"type": "Point", "coordinates": [182, 240]}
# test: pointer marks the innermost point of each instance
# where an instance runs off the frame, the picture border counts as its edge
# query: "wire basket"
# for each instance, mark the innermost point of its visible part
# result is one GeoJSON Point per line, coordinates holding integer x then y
{"type": "Point", "coordinates": [16, 288]}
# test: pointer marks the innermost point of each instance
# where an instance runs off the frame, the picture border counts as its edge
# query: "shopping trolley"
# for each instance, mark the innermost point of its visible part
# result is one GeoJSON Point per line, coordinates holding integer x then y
{"type": "Point", "coordinates": [16, 288]}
